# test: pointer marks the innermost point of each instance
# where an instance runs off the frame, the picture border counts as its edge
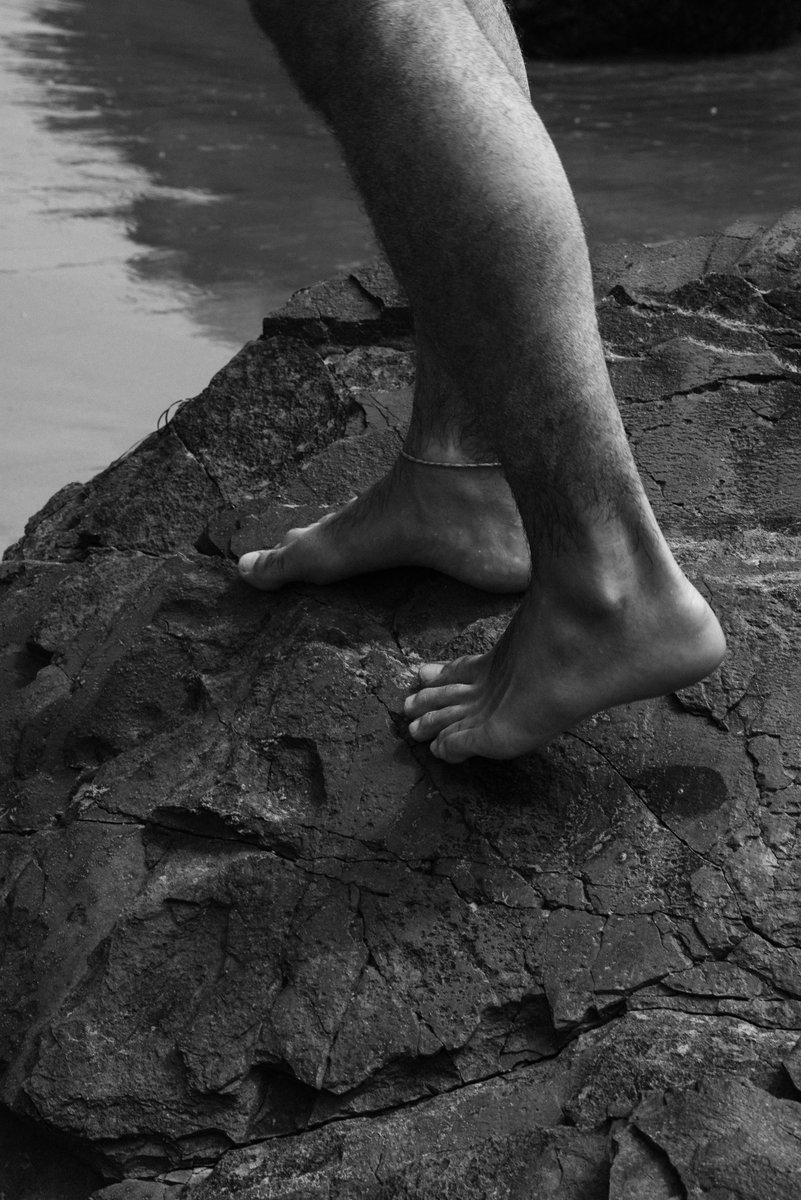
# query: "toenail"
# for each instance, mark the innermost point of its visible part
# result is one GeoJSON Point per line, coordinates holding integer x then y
{"type": "Point", "coordinates": [247, 562]}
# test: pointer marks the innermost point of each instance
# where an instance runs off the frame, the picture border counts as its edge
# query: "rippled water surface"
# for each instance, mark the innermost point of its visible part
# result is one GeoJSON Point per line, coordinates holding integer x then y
{"type": "Point", "coordinates": [163, 187]}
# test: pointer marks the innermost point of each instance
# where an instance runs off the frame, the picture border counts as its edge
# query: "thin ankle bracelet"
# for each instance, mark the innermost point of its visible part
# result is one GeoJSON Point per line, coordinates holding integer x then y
{"type": "Point", "coordinates": [427, 462]}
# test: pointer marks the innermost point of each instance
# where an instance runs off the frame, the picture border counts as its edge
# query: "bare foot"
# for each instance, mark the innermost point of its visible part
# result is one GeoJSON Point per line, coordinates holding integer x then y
{"type": "Point", "coordinates": [462, 522]}
{"type": "Point", "coordinates": [560, 661]}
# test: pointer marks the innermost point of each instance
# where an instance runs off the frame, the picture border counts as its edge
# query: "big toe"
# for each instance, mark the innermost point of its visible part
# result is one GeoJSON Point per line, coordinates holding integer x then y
{"type": "Point", "coordinates": [263, 569]}
{"type": "Point", "coordinates": [461, 670]}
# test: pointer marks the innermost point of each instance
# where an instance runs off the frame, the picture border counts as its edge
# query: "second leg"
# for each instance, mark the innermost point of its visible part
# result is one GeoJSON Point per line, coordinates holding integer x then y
{"type": "Point", "coordinates": [459, 519]}
{"type": "Point", "coordinates": [471, 203]}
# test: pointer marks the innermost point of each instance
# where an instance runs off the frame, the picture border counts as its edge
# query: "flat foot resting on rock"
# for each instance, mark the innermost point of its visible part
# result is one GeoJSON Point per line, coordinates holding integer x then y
{"type": "Point", "coordinates": [462, 522]}
{"type": "Point", "coordinates": [430, 105]}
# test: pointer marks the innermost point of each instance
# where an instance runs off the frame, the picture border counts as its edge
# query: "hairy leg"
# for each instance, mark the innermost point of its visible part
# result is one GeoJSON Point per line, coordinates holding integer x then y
{"type": "Point", "coordinates": [445, 425]}
{"type": "Point", "coordinates": [462, 522]}
{"type": "Point", "coordinates": [470, 201]}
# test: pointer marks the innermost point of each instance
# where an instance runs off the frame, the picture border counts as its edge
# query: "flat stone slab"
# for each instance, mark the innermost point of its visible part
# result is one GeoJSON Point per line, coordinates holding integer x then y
{"type": "Point", "coordinates": [261, 944]}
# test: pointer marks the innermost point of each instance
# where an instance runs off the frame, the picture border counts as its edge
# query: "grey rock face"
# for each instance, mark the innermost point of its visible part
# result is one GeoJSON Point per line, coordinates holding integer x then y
{"type": "Point", "coordinates": [260, 944]}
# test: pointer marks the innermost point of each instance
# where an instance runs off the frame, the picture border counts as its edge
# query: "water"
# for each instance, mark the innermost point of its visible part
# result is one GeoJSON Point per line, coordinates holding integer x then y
{"type": "Point", "coordinates": [658, 150]}
{"type": "Point", "coordinates": [164, 187]}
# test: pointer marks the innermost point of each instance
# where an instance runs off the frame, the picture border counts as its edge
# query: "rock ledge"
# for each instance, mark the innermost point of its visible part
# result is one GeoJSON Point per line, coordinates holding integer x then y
{"type": "Point", "coordinates": [259, 944]}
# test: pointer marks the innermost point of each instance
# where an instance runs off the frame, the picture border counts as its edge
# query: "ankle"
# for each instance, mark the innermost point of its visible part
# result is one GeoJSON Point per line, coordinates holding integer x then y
{"type": "Point", "coordinates": [449, 451]}
{"type": "Point", "coordinates": [449, 462]}
{"type": "Point", "coordinates": [607, 591]}
{"type": "Point", "coordinates": [426, 481]}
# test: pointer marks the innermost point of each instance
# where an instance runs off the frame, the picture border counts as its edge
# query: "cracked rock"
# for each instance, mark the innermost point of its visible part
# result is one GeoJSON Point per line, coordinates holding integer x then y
{"type": "Point", "coordinates": [729, 1139]}
{"type": "Point", "coordinates": [258, 943]}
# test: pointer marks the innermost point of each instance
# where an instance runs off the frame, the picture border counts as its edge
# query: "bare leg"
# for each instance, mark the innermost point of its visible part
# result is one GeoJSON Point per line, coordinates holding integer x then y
{"type": "Point", "coordinates": [464, 523]}
{"type": "Point", "coordinates": [471, 203]}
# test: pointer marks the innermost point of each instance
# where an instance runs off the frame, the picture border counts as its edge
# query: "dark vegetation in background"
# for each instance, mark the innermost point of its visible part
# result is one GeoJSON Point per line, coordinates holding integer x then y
{"type": "Point", "coordinates": [582, 28]}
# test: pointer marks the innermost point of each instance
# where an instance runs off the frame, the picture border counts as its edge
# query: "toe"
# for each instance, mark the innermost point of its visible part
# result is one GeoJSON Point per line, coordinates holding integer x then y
{"type": "Point", "coordinates": [435, 697]}
{"type": "Point", "coordinates": [424, 728]}
{"type": "Point", "coordinates": [461, 670]}
{"type": "Point", "coordinates": [430, 672]}
{"type": "Point", "coordinates": [263, 569]}
{"type": "Point", "coordinates": [454, 745]}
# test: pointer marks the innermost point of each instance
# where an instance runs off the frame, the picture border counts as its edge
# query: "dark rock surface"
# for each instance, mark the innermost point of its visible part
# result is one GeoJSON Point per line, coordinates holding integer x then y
{"type": "Point", "coordinates": [32, 1167]}
{"type": "Point", "coordinates": [568, 28]}
{"type": "Point", "coordinates": [258, 944]}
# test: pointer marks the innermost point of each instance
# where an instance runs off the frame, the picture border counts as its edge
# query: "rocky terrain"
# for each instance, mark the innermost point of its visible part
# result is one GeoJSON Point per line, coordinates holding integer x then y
{"type": "Point", "coordinates": [258, 944]}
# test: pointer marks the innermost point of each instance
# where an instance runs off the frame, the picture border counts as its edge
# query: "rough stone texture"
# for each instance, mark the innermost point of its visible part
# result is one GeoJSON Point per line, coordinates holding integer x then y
{"type": "Point", "coordinates": [259, 944]}
{"type": "Point", "coordinates": [749, 1146]}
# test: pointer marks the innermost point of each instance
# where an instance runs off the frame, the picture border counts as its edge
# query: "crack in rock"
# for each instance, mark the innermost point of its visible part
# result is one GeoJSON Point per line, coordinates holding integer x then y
{"type": "Point", "coordinates": [256, 940]}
